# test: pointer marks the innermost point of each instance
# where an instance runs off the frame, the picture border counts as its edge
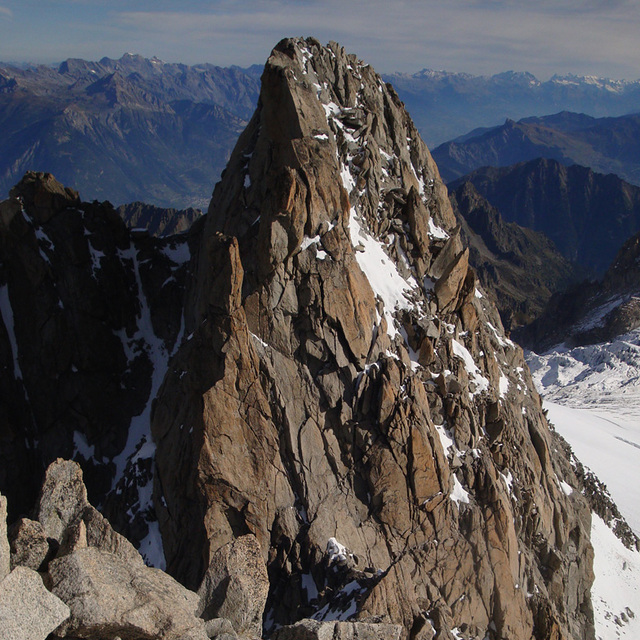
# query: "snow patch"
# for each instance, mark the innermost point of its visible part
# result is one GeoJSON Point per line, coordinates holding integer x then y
{"type": "Point", "coordinates": [481, 383]}
{"type": "Point", "coordinates": [382, 273]}
{"type": "Point", "coordinates": [615, 593]}
{"type": "Point", "coordinates": [459, 493]}
{"type": "Point", "coordinates": [337, 552]}
{"type": "Point", "coordinates": [8, 319]}
{"type": "Point", "coordinates": [436, 232]}
{"type": "Point", "coordinates": [503, 385]}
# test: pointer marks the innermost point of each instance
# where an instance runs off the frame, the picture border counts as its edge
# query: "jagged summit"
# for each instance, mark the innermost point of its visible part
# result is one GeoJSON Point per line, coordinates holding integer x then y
{"type": "Point", "coordinates": [336, 118]}
{"type": "Point", "coordinates": [346, 392]}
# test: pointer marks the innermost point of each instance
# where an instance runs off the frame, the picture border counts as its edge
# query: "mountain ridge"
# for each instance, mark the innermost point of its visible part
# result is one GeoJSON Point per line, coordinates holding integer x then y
{"type": "Point", "coordinates": [587, 215]}
{"type": "Point", "coordinates": [606, 145]}
{"type": "Point", "coordinates": [128, 129]}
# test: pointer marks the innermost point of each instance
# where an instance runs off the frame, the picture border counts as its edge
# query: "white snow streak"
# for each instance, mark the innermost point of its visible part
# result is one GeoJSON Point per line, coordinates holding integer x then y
{"type": "Point", "coordinates": [475, 375]}
{"type": "Point", "coordinates": [7, 318]}
{"type": "Point", "coordinates": [382, 273]}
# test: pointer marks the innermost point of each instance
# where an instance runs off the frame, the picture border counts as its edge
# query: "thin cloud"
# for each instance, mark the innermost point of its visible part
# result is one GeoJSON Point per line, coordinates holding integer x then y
{"type": "Point", "coordinates": [478, 36]}
{"type": "Point", "coordinates": [5, 11]}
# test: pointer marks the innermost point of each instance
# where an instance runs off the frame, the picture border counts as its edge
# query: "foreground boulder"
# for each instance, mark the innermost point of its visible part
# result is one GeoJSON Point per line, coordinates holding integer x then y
{"type": "Point", "coordinates": [27, 610]}
{"type": "Point", "coordinates": [29, 545]}
{"type": "Point", "coordinates": [99, 584]}
{"type": "Point", "coordinates": [107, 595]}
{"type": "Point", "coordinates": [236, 587]}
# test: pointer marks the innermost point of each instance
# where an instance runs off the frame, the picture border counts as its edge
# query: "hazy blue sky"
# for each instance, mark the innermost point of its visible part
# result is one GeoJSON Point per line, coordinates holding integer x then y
{"type": "Point", "coordinates": [479, 36]}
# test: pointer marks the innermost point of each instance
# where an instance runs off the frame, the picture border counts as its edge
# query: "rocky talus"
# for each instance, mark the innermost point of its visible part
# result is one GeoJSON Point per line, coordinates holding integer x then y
{"type": "Point", "coordinates": [345, 392]}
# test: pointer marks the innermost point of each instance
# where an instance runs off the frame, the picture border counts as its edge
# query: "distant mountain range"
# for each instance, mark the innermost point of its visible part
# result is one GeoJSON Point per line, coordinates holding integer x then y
{"type": "Point", "coordinates": [586, 214]}
{"type": "Point", "coordinates": [139, 129]}
{"type": "Point", "coordinates": [446, 105]}
{"type": "Point", "coordinates": [607, 145]}
{"type": "Point", "coordinates": [127, 129]}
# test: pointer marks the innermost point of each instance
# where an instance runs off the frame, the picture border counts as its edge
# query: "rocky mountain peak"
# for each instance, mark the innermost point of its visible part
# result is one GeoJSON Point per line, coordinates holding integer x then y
{"type": "Point", "coordinates": [43, 195]}
{"type": "Point", "coordinates": [346, 393]}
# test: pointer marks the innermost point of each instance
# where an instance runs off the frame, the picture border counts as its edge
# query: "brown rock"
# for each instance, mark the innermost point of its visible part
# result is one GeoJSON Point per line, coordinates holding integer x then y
{"type": "Point", "coordinates": [449, 286]}
{"type": "Point", "coordinates": [295, 412]}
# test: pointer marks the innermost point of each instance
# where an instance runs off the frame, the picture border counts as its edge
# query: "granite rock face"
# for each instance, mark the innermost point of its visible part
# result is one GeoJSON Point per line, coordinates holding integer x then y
{"type": "Point", "coordinates": [345, 381]}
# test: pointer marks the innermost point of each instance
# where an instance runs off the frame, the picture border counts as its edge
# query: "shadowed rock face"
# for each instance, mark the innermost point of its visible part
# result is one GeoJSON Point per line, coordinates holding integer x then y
{"type": "Point", "coordinates": [346, 393]}
{"type": "Point", "coordinates": [89, 315]}
{"type": "Point", "coordinates": [587, 215]}
{"type": "Point", "coordinates": [593, 311]}
{"type": "Point", "coordinates": [519, 268]}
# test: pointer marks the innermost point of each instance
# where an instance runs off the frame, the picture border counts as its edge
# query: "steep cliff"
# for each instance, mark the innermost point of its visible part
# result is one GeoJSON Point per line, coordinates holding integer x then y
{"type": "Point", "coordinates": [345, 392]}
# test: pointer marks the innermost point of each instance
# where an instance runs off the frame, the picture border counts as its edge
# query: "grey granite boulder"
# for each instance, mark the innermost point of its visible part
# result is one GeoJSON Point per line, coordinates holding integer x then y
{"type": "Point", "coordinates": [109, 595]}
{"type": "Point", "coordinates": [63, 498]}
{"type": "Point", "coordinates": [27, 610]}
{"type": "Point", "coordinates": [28, 543]}
{"type": "Point", "coordinates": [236, 586]}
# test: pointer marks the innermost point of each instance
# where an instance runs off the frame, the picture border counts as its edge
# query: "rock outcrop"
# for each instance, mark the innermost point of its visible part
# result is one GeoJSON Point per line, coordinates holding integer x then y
{"type": "Point", "coordinates": [235, 587]}
{"type": "Point", "coordinates": [345, 380]}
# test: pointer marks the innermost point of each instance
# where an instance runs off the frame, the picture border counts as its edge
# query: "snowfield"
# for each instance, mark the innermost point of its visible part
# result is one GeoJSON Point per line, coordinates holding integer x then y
{"type": "Point", "coordinates": [592, 395]}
